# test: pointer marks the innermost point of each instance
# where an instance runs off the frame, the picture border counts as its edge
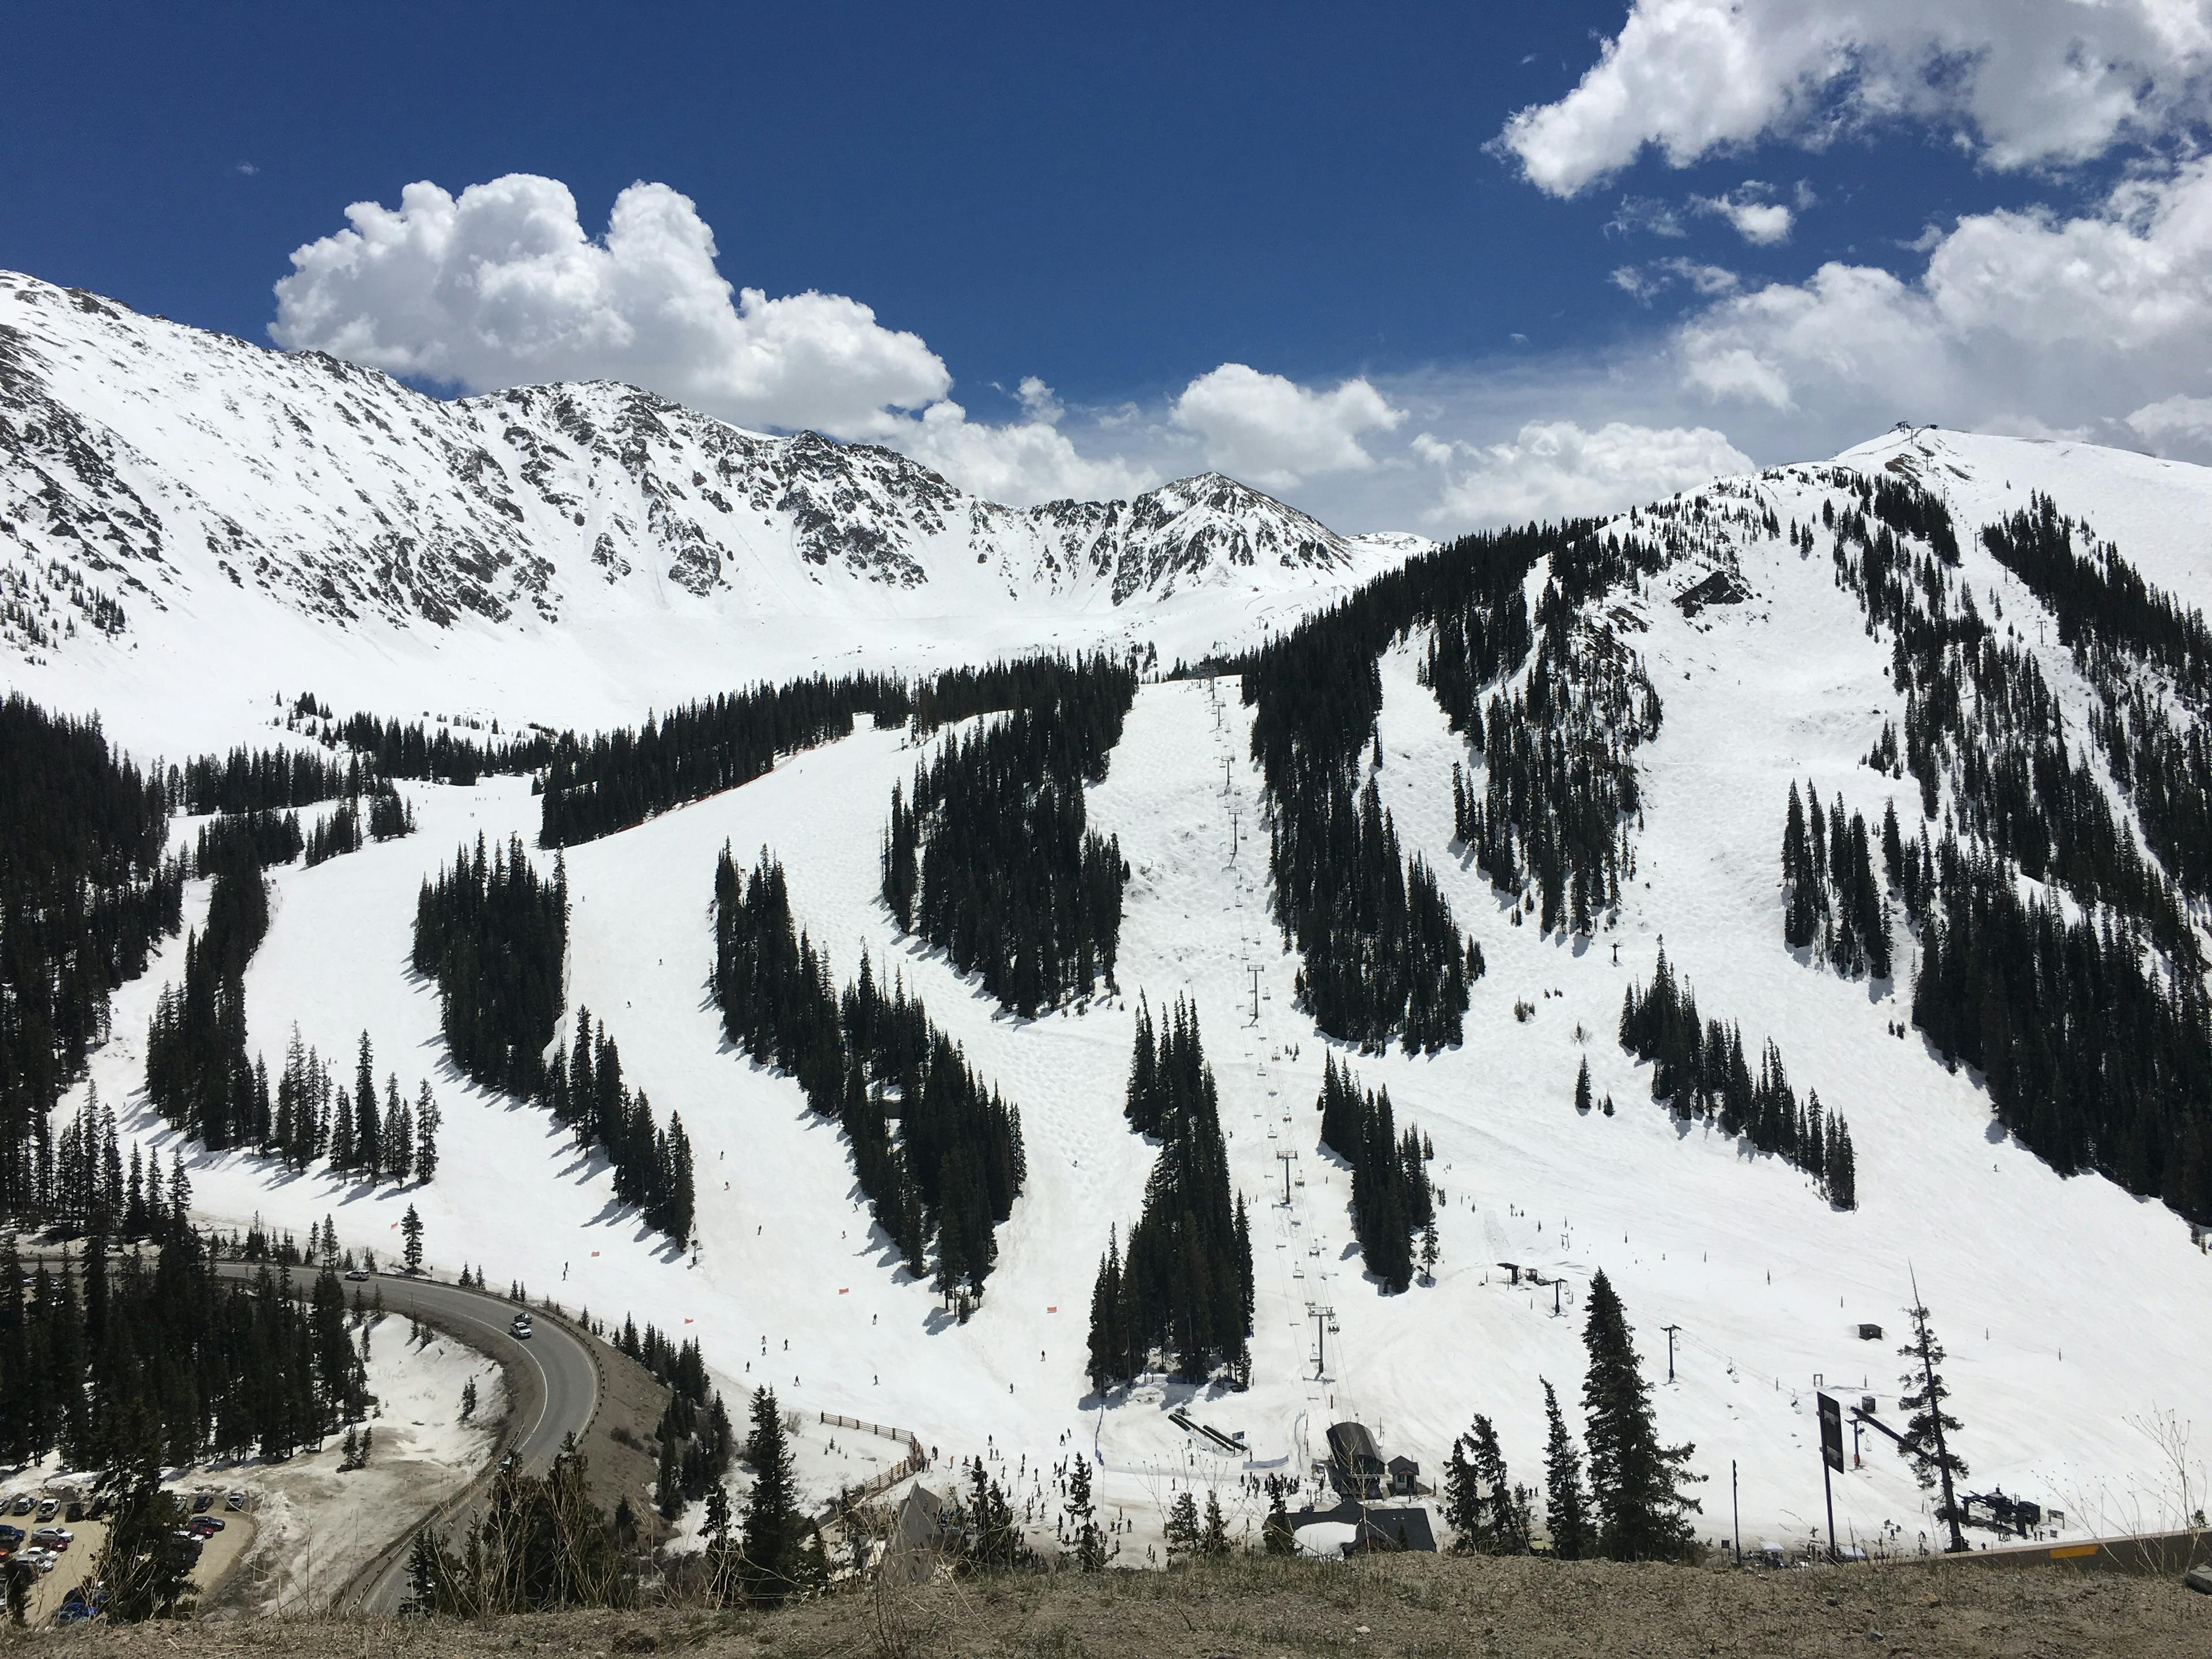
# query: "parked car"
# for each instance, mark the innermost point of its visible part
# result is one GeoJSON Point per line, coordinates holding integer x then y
{"type": "Point", "coordinates": [359, 1275]}
{"type": "Point", "coordinates": [202, 1502]}
{"type": "Point", "coordinates": [9, 1536]}
{"type": "Point", "coordinates": [74, 1513]}
{"type": "Point", "coordinates": [235, 1501]}
{"type": "Point", "coordinates": [99, 1510]}
{"type": "Point", "coordinates": [521, 1327]}
{"type": "Point", "coordinates": [53, 1537]}
{"type": "Point", "coordinates": [25, 1503]}
{"type": "Point", "coordinates": [46, 1509]}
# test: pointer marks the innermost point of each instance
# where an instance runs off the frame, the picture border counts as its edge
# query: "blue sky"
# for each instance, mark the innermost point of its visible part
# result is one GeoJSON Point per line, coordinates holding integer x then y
{"type": "Point", "coordinates": [1417, 266]}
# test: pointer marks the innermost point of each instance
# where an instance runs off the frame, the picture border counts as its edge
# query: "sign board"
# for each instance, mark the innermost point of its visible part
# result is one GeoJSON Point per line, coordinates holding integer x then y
{"type": "Point", "coordinates": [1831, 1431]}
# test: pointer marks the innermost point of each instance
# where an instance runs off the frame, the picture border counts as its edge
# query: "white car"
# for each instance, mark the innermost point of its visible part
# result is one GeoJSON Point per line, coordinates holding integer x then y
{"type": "Point", "coordinates": [521, 1327]}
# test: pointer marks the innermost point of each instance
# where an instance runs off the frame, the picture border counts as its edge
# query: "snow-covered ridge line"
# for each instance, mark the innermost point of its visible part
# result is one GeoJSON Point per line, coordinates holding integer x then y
{"type": "Point", "coordinates": [155, 457]}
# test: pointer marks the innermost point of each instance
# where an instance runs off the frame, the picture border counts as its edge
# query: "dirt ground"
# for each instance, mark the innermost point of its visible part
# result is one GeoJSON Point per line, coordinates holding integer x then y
{"type": "Point", "coordinates": [217, 1557]}
{"type": "Point", "coordinates": [1257, 1609]}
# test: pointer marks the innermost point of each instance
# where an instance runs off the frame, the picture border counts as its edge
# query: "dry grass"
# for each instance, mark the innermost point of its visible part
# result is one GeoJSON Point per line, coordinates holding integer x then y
{"type": "Point", "coordinates": [1419, 1607]}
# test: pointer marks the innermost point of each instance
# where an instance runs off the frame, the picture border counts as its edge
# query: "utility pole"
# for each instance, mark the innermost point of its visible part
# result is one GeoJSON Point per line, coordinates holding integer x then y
{"type": "Point", "coordinates": [1288, 1157]}
{"type": "Point", "coordinates": [1670, 1330]}
{"type": "Point", "coordinates": [1736, 1513]}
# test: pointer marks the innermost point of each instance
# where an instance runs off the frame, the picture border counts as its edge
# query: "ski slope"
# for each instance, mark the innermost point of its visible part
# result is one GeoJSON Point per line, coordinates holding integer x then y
{"type": "Point", "coordinates": [2073, 1314]}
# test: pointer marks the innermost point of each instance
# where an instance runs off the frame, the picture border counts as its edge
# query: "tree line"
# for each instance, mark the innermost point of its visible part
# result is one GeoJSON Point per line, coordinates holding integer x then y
{"type": "Point", "coordinates": [1700, 1069]}
{"type": "Point", "coordinates": [198, 1073]}
{"type": "Point", "coordinates": [1182, 1294]}
{"type": "Point", "coordinates": [1382, 958]}
{"type": "Point", "coordinates": [1832, 902]}
{"type": "Point", "coordinates": [694, 1437]}
{"type": "Point", "coordinates": [951, 1174]}
{"type": "Point", "coordinates": [620, 779]}
{"type": "Point", "coordinates": [87, 890]}
{"type": "Point", "coordinates": [989, 856]}
{"type": "Point", "coordinates": [494, 933]}
{"type": "Point", "coordinates": [2148, 657]}
{"type": "Point", "coordinates": [1393, 1203]}
{"type": "Point", "coordinates": [654, 1168]}
{"type": "Point", "coordinates": [1560, 794]}
{"type": "Point", "coordinates": [134, 1357]}
{"type": "Point", "coordinates": [2082, 1004]}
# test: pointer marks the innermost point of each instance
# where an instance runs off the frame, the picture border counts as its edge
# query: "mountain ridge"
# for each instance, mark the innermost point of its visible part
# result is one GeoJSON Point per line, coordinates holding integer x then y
{"type": "Point", "coordinates": [507, 503]}
{"type": "Point", "coordinates": [575, 552]}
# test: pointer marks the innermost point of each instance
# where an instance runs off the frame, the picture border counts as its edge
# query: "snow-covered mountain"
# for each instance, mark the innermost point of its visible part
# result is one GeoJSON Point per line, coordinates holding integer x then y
{"type": "Point", "coordinates": [2074, 1310]}
{"type": "Point", "coordinates": [561, 553]}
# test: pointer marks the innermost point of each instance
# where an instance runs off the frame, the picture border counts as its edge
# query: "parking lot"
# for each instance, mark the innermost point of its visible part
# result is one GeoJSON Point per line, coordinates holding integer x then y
{"type": "Point", "coordinates": [74, 1565]}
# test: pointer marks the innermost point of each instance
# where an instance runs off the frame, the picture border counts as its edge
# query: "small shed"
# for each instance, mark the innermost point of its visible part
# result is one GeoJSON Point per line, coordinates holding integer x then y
{"type": "Point", "coordinates": [1405, 1477]}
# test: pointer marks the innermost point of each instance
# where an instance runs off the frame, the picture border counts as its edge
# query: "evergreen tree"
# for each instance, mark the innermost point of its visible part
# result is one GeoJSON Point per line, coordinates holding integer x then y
{"type": "Point", "coordinates": [1278, 1538]}
{"type": "Point", "coordinates": [1636, 1483]}
{"type": "Point", "coordinates": [145, 1563]}
{"type": "Point", "coordinates": [721, 1559]}
{"type": "Point", "coordinates": [1489, 1514]}
{"type": "Point", "coordinates": [1583, 1088]}
{"type": "Point", "coordinates": [410, 1233]}
{"type": "Point", "coordinates": [1925, 1443]}
{"type": "Point", "coordinates": [771, 1536]}
{"type": "Point", "coordinates": [1082, 1519]}
{"type": "Point", "coordinates": [1182, 1529]}
{"type": "Point", "coordinates": [1213, 1542]}
{"type": "Point", "coordinates": [1566, 1501]}
{"type": "Point", "coordinates": [493, 933]}
{"type": "Point", "coordinates": [428, 1120]}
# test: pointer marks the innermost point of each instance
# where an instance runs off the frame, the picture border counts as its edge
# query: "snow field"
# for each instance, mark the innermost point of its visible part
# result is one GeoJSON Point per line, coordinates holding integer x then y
{"type": "Point", "coordinates": [314, 1528]}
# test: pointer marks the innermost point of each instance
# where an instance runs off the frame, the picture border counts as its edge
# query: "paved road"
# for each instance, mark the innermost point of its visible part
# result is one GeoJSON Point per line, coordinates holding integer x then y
{"type": "Point", "coordinates": [566, 1396]}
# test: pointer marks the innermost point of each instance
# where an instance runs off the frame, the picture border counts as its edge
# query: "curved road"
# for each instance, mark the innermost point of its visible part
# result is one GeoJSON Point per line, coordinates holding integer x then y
{"type": "Point", "coordinates": [554, 1365]}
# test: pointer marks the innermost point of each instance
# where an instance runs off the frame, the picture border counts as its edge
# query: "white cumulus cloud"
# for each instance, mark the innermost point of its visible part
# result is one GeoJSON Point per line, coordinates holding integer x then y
{"type": "Point", "coordinates": [2024, 321]}
{"type": "Point", "coordinates": [502, 285]}
{"type": "Point", "coordinates": [1274, 433]}
{"type": "Point", "coordinates": [1554, 469]}
{"type": "Point", "coordinates": [1765, 223]}
{"type": "Point", "coordinates": [1022, 463]}
{"type": "Point", "coordinates": [2023, 82]}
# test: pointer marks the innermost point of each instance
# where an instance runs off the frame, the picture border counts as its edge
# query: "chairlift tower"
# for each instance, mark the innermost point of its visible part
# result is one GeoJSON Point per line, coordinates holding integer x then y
{"type": "Point", "coordinates": [1324, 1319]}
{"type": "Point", "coordinates": [1288, 1157]}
